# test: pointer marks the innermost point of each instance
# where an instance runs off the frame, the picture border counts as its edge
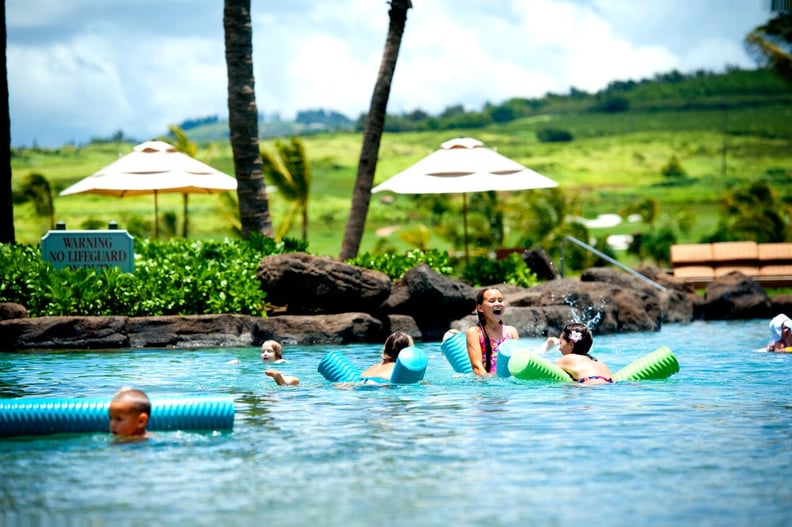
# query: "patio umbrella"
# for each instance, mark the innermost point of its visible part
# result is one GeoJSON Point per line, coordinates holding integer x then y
{"type": "Point", "coordinates": [154, 167]}
{"type": "Point", "coordinates": [464, 165]}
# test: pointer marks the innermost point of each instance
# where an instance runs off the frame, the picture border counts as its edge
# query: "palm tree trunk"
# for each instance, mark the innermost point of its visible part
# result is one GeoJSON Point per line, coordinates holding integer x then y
{"type": "Point", "coordinates": [254, 212]}
{"type": "Point", "coordinates": [7, 234]}
{"type": "Point", "coordinates": [372, 131]}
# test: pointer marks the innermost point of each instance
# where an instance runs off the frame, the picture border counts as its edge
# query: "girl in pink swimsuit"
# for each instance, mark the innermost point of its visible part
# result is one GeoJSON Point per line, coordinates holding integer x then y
{"type": "Point", "coordinates": [484, 338]}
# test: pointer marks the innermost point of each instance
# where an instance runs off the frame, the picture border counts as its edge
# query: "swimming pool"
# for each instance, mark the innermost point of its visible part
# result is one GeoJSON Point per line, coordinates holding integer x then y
{"type": "Point", "coordinates": [712, 445]}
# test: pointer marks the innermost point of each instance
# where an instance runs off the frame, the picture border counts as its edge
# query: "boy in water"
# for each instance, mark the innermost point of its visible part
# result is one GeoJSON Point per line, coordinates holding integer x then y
{"type": "Point", "coordinates": [129, 414]}
{"type": "Point", "coordinates": [272, 351]}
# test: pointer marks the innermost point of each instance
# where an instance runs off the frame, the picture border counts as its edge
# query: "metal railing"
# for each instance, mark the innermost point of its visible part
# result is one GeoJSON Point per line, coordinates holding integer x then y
{"type": "Point", "coordinates": [604, 256]}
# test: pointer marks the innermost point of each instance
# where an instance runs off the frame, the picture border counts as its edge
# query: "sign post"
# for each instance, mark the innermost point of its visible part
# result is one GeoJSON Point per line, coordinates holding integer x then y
{"type": "Point", "coordinates": [89, 248]}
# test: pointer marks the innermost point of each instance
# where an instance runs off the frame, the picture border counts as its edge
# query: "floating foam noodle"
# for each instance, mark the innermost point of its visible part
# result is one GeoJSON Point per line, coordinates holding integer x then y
{"type": "Point", "coordinates": [506, 350]}
{"type": "Point", "coordinates": [29, 416]}
{"type": "Point", "coordinates": [659, 364]}
{"type": "Point", "coordinates": [410, 367]}
{"type": "Point", "coordinates": [336, 367]}
{"type": "Point", "coordinates": [454, 349]}
{"type": "Point", "coordinates": [526, 365]}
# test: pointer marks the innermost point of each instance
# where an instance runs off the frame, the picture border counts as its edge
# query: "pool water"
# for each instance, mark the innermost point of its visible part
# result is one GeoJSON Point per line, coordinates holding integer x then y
{"type": "Point", "coordinates": [712, 445]}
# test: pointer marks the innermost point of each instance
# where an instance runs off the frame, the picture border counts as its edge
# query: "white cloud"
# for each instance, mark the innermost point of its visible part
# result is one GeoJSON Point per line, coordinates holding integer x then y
{"type": "Point", "coordinates": [88, 68]}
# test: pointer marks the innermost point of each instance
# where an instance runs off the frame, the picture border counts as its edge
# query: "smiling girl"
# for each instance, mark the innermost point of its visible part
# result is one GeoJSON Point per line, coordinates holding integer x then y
{"type": "Point", "coordinates": [484, 338]}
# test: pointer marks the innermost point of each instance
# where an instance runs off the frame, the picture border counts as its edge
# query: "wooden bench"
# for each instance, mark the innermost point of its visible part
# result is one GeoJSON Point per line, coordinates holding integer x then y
{"type": "Point", "coordinates": [770, 264]}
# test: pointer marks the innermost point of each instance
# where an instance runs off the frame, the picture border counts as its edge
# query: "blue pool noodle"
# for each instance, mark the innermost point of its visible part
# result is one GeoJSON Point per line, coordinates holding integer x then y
{"type": "Point", "coordinates": [454, 349]}
{"type": "Point", "coordinates": [29, 416]}
{"type": "Point", "coordinates": [410, 367]}
{"type": "Point", "coordinates": [336, 367]}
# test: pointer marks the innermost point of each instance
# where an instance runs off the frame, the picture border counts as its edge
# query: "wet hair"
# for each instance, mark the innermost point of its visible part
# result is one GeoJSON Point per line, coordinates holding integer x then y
{"type": "Point", "coordinates": [394, 344]}
{"type": "Point", "coordinates": [138, 400]}
{"type": "Point", "coordinates": [580, 336]}
{"type": "Point", "coordinates": [276, 348]}
{"type": "Point", "coordinates": [483, 326]}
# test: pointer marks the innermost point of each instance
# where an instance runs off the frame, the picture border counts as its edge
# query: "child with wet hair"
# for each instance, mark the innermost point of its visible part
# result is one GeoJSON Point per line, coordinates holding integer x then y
{"type": "Point", "coordinates": [575, 342]}
{"type": "Point", "coordinates": [272, 351]}
{"type": "Point", "coordinates": [382, 371]}
{"type": "Point", "coordinates": [129, 414]}
{"type": "Point", "coordinates": [484, 338]}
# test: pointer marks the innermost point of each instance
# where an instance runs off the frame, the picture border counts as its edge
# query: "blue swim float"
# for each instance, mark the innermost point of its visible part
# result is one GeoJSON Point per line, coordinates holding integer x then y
{"type": "Point", "coordinates": [41, 416]}
{"type": "Point", "coordinates": [454, 349]}
{"type": "Point", "coordinates": [410, 367]}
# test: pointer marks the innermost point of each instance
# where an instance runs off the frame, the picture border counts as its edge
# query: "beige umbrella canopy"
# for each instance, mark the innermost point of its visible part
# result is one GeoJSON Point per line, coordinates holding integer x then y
{"type": "Point", "coordinates": [464, 165]}
{"type": "Point", "coordinates": [154, 167]}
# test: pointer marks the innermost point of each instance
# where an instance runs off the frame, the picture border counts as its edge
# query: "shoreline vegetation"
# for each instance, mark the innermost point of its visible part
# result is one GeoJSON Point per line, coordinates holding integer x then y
{"type": "Point", "coordinates": [665, 151]}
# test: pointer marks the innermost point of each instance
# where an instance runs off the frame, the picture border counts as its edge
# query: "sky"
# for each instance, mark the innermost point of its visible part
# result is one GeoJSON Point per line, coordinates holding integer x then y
{"type": "Point", "coordinates": [84, 69]}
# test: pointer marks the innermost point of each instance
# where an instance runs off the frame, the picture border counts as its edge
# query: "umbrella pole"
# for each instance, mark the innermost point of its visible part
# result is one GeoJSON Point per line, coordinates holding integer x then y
{"type": "Point", "coordinates": [156, 217]}
{"type": "Point", "coordinates": [464, 223]}
{"type": "Point", "coordinates": [184, 227]}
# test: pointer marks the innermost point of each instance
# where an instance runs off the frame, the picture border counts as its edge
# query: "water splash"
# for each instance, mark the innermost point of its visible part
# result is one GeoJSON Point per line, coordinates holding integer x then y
{"type": "Point", "coordinates": [590, 315]}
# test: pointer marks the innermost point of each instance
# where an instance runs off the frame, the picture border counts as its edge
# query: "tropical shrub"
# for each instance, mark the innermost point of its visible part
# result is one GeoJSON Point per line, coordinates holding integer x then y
{"type": "Point", "coordinates": [482, 271]}
{"type": "Point", "coordinates": [395, 265]}
{"type": "Point", "coordinates": [178, 276]}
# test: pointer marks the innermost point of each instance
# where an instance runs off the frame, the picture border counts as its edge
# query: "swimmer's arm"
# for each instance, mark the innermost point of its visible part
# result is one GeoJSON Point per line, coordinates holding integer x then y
{"type": "Point", "coordinates": [550, 343]}
{"type": "Point", "coordinates": [475, 353]}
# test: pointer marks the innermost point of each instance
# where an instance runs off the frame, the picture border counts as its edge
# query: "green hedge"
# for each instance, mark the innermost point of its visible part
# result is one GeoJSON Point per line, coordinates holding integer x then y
{"type": "Point", "coordinates": [193, 277]}
{"type": "Point", "coordinates": [175, 277]}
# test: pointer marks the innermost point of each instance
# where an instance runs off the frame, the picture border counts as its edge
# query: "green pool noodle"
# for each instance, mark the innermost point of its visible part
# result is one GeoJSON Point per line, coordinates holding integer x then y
{"type": "Point", "coordinates": [528, 366]}
{"type": "Point", "coordinates": [659, 364]}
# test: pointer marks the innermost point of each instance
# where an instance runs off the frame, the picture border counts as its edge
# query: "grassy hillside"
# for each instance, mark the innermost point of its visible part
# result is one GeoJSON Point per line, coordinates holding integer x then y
{"type": "Point", "coordinates": [722, 137]}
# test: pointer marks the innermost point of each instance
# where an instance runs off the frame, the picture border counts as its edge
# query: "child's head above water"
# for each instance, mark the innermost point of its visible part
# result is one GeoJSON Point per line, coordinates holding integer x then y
{"type": "Point", "coordinates": [394, 344]}
{"type": "Point", "coordinates": [271, 351]}
{"type": "Point", "coordinates": [129, 413]}
{"type": "Point", "coordinates": [579, 335]}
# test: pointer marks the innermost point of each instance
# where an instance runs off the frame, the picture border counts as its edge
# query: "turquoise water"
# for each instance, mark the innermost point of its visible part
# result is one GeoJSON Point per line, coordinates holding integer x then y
{"type": "Point", "coordinates": [712, 445]}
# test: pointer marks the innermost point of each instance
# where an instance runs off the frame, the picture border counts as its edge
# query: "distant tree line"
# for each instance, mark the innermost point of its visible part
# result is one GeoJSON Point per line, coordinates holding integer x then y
{"type": "Point", "coordinates": [329, 119]}
{"type": "Point", "coordinates": [699, 90]}
{"type": "Point", "coordinates": [189, 124]}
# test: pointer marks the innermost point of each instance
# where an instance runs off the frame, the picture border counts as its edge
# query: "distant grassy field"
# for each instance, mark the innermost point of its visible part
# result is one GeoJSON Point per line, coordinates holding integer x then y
{"type": "Point", "coordinates": [614, 160]}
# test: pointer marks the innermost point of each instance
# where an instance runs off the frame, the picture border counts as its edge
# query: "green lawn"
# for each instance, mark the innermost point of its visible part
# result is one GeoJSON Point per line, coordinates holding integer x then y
{"type": "Point", "coordinates": [614, 160]}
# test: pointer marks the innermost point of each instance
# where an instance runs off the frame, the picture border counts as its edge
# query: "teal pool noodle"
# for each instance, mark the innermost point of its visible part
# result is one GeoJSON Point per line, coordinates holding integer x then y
{"type": "Point", "coordinates": [335, 367]}
{"type": "Point", "coordinates": [506, 349]}
{"type": "Point", "coordinates": [410, 366]}
{"type": "Point", "coordinates": [29, 416]}
{"type": "Point", "coordinates": [454, 349]}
